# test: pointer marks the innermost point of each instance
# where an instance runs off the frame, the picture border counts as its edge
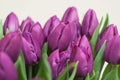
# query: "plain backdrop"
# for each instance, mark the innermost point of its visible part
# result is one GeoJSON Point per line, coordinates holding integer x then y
{"type": "Point", "coordinates": [42, 10]}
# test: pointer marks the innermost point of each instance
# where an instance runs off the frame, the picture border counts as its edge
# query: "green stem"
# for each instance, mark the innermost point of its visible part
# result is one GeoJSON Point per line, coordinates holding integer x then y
{"type": "Point", "coordinates": [116, 71]}
{"type": "Point", "coordinates": [30, 72]}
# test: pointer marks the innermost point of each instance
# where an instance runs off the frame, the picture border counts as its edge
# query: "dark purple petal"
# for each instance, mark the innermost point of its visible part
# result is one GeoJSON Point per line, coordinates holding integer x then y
{"type": "Point", "coordinates": [70, 15]}
{"type": "Point", "coordinates": [50, 25]}
{"type": "Point", "coordinates": [26, 25]}
{"type": "Point", "coordinates": [112, 50]}
{"type": "Point", "coordinates": [37, 34]}
{"type": "Point", "coordinates": [54, 37]}
{"type": "Point", "coordinates": [30, 49]}
{"type": "Point", "coordinates": [89, 24]}
{"type": "Point", "coordinates": [54, 60]}
{"type": "Point", "coordinates": [11, 44]}
{"type": "Point", "coordinates": [107, 35]}
{"type": "Point", "coordinates": [65, 38]}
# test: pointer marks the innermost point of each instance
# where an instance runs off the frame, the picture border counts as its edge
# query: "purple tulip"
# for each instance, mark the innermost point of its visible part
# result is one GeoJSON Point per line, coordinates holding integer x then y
{"type": "Point", "coordinates": [82, 52]}
{"type": "Point", "coordinates": [35, 29]}
{"type": "Point", "coordinates": [112, 50]}
{"type": "Point", "coordinates": [107, 35]}
{"type": "Point", "coordinates": [70, 15]}
{"type": "Point", "coordinates": [63, 34]}
{"type": "Point", "coordinates": [7, 68]}
{"type": "Point", "coordinates": [26, 25]}
{"type": "Point", "coordinates": [50, 25]}
{"type": "Point", "coordinates": [30, 48]}
{"type": "Point", "coordinates": [89, 24]}
{"type": "Point", "coordinates": [11, 23]}
{"type": "Point", "coordinates": [57, 62]}
{"type": "Point", "coordinates": [11, 44]}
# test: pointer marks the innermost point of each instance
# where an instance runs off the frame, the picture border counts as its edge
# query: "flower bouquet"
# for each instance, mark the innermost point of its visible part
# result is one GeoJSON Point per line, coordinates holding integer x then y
{"type": "Point", "coordinates": [64, 49]}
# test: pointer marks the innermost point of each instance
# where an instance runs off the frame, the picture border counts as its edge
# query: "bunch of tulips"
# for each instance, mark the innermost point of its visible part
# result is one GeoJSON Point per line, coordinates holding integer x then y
{"type": "Point", "coordinates": [64, 49]}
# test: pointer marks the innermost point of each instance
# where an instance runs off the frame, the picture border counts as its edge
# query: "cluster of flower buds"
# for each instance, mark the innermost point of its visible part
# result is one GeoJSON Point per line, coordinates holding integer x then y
{"type": "Point", "coordinates": [68, 41]}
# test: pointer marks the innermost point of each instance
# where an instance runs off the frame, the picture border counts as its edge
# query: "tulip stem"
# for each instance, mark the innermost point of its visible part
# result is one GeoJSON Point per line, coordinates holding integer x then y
{"type": "Point", "coordinates": [30, 72]}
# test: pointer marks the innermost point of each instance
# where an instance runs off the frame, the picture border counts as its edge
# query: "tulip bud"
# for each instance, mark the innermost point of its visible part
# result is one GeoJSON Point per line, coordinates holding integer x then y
{"type": "Point", "coordinates": [82, 52]}
{"type": "Point", "coordinates": [7, 68]}
{"type": "Point", "coordinates": [89, 24]}
{"type": "Point", "coordinates": [26, 25]}
{"type": "Point", "coordinates": [107, 35]}
{"type": "Point", "coordinates": [70, 15]}
{"type": "Point", "coordinates": [30, 49]}
{"type": "Point", "coordinates": [11, 44]}
{"type": "Point", "coordinates": [11, 23]}
{"type": "Point", "coordinates": [57, 62]}
{"type": "Point", "coordinates": [112, 50]}
{"type": "Point", "coordinates": [50, 25]}
{"type": "Point", "coordinates": [35, 29]}
{"type": "Point", "coordinates": [63, 34]}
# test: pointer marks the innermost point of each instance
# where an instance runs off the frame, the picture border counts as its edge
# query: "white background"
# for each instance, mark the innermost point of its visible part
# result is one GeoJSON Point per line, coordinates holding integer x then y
{"type": "Point", "coordinates": [42, 10]}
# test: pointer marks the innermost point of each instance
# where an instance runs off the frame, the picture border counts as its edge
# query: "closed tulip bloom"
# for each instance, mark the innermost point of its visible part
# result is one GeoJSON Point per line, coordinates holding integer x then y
{"type": "Point", "coordinates": [26, 25]}
{"type": "Point", "coordinates": [30, 49]}
{"type": "Point", "coordinates": [50, 25]}
{"type": "Point", "coordinates": [89, 24]}
{"type": "Point", "coordinates": [112, 50]}
{"type": "Point", "coordinates": [57, 62]}
{"type": "Point", "coordinates": [35, 29]}
{"type": "Point", "coordinates": [7, 68]}
{"type": "Point", "coordinates": [70, 15]}
{"type": "Point", "coordinates": [107, 35]}
{"type": "Point", "coordinates": [38, 34]}
{"type": "Point", "coordinates": [82, 52]}
{"type": "Point", "coordinates": [63, 34]}
{"type": "Point", "coordinates": [11, 44]}
{"type": "Point", "coordinates": [11, 23]}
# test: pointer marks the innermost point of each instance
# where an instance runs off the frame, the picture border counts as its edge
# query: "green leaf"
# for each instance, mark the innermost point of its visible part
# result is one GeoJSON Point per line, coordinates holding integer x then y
{"type": "Point", "coordinates": [94, 38]}
{"type": "Point", "coordinates": [74, 72]}
{"type": "Point", "coordinates": [87, 77]}
{"type": "Point", "coordinates": [107, 70]}
{"type": "Point", "coordinates": [44, 69]}
{"type": "Point", "coordinates": [20, 65]}
{"type": "Point", "coordinates": [105, 23]}
{"type": "Point", "coordinates": [1, 29]}
{"type": "Point", "coordinates": [62, 76]}
{"type": "Point", "coordinates": [98, 59]}
{"type": "Point", "coordinates": [119, 71]}
{"type": "Point", "coordinates": [113, 74]}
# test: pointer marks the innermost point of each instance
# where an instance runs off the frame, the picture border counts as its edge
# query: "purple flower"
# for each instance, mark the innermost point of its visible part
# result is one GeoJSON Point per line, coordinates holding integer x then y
{"type": "Point", "coordinates": [112, 50]}
{"type": "Point", "coordinates": [57, 62]}
{"type": "Point", "coordinates": [30, 48]}
{"type": "Point", "coordinates": [89, 24]}
{"type": "Point", "coordinates": [70, 15]}
{"type": "Point", "coordinates": [50, 25]}
{"type": "Point", "coordinates": [62, 34]}
{"type": "Point", "coordinates": [11, 23]}
{"type": "Point", "coordinates": [81, 52]}
{"type": "Point", "coordinates": [35, 29]}
{"type": "Point", "coordinates": [107, 35]}
{"type": "Point", "coordinates": [7, 68]}
{"type": "Point", "coordinates": [11, 44]}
